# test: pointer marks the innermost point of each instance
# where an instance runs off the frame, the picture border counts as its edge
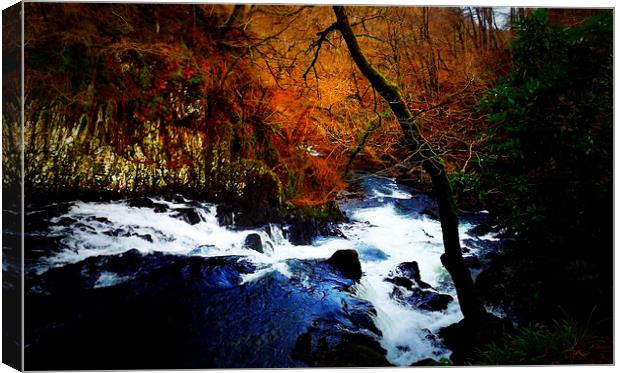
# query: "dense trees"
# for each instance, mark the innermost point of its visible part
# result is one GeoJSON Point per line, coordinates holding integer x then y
{"type": "Point", "coordinates": [124, 98]}
{"type": "Point", "coordinates": [137, 97]}
{"type": "Point", "coordinates": [113, 90]}
{"type": "Point", "coordinates": [548, 171]}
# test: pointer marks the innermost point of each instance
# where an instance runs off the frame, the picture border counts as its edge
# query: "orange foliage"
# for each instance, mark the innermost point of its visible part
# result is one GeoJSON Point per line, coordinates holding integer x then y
{"type": "Point", "coordinates": [248, 85]}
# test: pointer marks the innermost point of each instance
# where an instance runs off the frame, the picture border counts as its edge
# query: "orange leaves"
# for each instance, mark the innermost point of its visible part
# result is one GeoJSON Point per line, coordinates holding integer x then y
{"type": "Point", "coordinates": [174, 74]}
{"type": "Point", "coordinates": [320, 182]}
{"type": "Point", "coordinates": [188, 72]}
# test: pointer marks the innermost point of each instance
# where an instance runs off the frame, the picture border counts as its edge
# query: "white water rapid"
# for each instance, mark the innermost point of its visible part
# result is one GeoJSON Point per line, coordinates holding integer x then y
{"type": "Point", "coordinates": [382, 234]}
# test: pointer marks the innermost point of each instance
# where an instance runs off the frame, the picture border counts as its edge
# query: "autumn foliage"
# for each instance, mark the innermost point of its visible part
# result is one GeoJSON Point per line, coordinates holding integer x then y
{"type": "Point", "coordinates": [134, 97]}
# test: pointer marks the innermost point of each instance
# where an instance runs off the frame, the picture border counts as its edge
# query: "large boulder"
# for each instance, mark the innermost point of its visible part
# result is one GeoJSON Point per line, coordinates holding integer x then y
{"type": "Point", "coordinates": [347, 262]}
{"type": "Point", "coordinates": [254, 242]}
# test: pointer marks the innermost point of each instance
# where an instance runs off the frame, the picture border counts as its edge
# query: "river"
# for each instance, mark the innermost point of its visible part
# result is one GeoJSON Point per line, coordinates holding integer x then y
{"type": "Point", "coordinates": [112, 285]}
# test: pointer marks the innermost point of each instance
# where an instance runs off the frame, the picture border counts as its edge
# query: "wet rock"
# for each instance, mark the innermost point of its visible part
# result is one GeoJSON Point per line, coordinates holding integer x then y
{"type": "Point", "coordinates": [224, 215]}
{"type": "Point", "coordinates": [254, 242]}
{"type": "Point", "coordinates": [411, 270]}
{"type": "Point", "coordinates": [487, 284]}
{"type": "Point", "coordinates": [99, 219]}
{"type": "Point", "coordinates": [146, 237]}
{"type": "Point", "coordinates": [430, 300]}
{"type": "Point", "coordinates": [188, 215]}
{"type": "Point", "coordinates": [300, 231]}
{"type": "Point", "coordinates": [177, 198]}
{"type": "Point", "coordinates": [398, 294]}
{"type": "Point", "coordinates": [305, 224]}
{"type": "Point", "coordinates": [38, 217]}
{"type": "Point", "coordinates": [347, 262]}
{"type": "Point", "coordinates": [400, 281]}
{"type": "Point", "coordinates": [429, 335]}
{"type": "Point", "coordinates": [303, 230]}
{"type": "Point", "coordinates": [148, 203]}
{"type": "Point", "coordinates": [83, 227]}
{"type": "Point", "coordinates": [363, 319]}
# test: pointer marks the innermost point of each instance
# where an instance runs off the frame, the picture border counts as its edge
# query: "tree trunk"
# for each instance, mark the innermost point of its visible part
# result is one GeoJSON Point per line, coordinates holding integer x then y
{"type": "Point", "coordinates": [471, 305]}
{"type": "Point", "coordinates": [473, 27]}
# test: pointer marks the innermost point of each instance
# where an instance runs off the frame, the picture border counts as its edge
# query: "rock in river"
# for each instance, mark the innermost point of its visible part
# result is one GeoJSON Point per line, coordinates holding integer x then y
{"type": "Point", "coordinates": [411, 270]}
{"type": "Point", "coordinates": [189, 215]}
{"type": "Point", "coordinates": [253, 242]}
{"type": "Point", "coordinates": [148, 203]}
{"type": "Point", "coordinates": [347, 262]}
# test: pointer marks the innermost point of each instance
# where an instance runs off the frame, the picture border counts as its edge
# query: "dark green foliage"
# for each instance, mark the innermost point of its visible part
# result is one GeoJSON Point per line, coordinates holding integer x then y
{"type": "Point", "coordinates": [550, 174]}
{"type": "Point", "coordinates": [467, 190]}
{"type": "Point", "coordinates": [563, 342]}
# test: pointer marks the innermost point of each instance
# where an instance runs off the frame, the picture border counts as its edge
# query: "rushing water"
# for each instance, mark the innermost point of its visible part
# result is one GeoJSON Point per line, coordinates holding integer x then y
{"type": "Point", "coordinates": [387, 227]}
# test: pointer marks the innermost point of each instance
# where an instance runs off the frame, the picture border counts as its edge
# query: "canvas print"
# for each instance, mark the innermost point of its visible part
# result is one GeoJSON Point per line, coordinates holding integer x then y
{"type": "Point", "coordinates": [281, 186]}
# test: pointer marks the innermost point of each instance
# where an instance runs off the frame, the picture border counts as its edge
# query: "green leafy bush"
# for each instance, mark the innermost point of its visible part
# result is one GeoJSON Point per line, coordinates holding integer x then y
{"type": "Point", "coordinates": [549, 173]}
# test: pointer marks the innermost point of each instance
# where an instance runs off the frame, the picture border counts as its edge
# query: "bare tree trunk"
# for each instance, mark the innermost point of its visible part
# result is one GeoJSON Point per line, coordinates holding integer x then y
{"type": "Point", "coordinates": [425, 33]}
{"type": "Point", "coordinates": [452, 259]}
{"type": "Point", "coordinates": [482, 27]}
{"type": "Point", "coordinates": [473, 27]}
{"type": "Point", "coordinates": [491, 28]}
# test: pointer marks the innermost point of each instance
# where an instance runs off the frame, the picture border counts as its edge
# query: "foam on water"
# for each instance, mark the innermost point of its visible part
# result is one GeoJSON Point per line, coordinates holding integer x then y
{"type": "Point", "coordinates": [118, 228]}
{"type": "Point", "coordinates": [383, 235]}
{"type": "Point", "coordinates": [109, 279]}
